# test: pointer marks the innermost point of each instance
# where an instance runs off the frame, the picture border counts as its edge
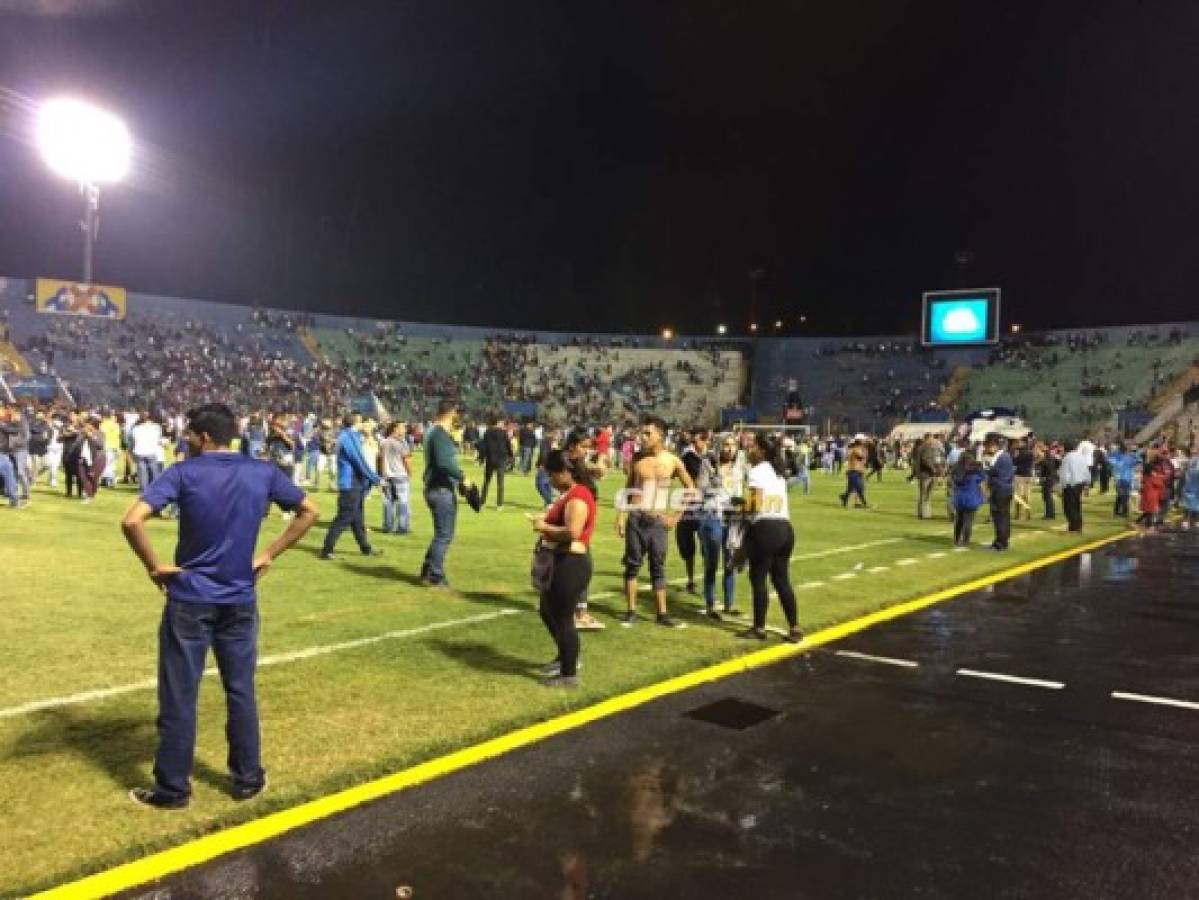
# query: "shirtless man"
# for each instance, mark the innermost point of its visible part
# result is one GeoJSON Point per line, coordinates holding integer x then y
{"type": "Point", "coordinates": [644, 521]}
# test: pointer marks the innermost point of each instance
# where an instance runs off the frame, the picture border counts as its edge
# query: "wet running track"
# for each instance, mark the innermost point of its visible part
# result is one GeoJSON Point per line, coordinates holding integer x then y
{"type": "Point", "coordinates": [1036, 739]}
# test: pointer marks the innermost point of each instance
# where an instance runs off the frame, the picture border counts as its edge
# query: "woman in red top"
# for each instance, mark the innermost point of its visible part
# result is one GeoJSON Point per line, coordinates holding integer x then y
{"type": "Point", "coordinates": [567, 525]}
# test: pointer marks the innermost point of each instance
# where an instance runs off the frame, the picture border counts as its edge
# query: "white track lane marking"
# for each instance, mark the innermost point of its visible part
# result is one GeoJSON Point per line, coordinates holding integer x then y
{"type": "Point", "coordinates": [888, 660]}
{"type": "Point", "coordinates": [273, 660]}
{"type": "Point", "coordinates": [1160, 701]}
{"type": "Point", "coordinates": [1012, 679]}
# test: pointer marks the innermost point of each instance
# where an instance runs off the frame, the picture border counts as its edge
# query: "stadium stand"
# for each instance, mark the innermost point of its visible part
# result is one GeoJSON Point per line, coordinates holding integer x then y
{"type": "Point", "coordinates": [861, 385]}
{"type": "Point", "coordinates": [170, 353]}
{"type": "Point", "coordinates": [1070, 382]}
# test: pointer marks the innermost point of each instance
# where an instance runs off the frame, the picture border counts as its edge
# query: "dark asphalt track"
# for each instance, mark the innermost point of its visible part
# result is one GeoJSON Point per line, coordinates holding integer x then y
{"type": "Point", "coordinates": [874, 779]}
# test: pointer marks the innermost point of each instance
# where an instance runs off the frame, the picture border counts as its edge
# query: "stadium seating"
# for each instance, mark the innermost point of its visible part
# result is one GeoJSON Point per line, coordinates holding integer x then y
{"type": "Point", "coordinates": [170, 352]}
{"type": "Point", "coordinates": [1066, 383]}
{"type": "Point", "coordinates": [865, 384]}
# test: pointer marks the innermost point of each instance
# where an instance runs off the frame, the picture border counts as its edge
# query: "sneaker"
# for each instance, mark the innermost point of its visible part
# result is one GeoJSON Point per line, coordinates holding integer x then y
{"type": "Point", "coordinates": [151, 798]}
{"type": "Point", "coordinates": [627, 619]}
{"type": "Point", "coordinates": [794, 636]}
{"type": "Point", "coordinates": [585, 621]}
{"type": "Point", "coordinates": [326, 556]}
{"type": "Point", "coordinates": [561, 681]}
{"type": "Point", "coordinates": [242, 792]}
{"type": "Point", "coordinates": [751, 634]}
{"type": "Point", "coordinates": [667, 622]}
{"type": "Point", "coordinates": [713, 615]}
{"type": "Point", "coordinates": [551, 669]}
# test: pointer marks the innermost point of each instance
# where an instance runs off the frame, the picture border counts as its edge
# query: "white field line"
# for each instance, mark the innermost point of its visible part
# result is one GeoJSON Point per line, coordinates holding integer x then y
{"type": "Point", "coordinates": [1012, 679]}
{"type": "Point", "coordinates": [937, 555]}
{"type": "Point", "coordinates": [888, 660]}
{"type": "Point", "coordinates": [905, 562]}
{"type": "Point", "coordinates": [819, 554]}
{"type": "Point", "coordinates": [808, 585]}
{"type": "Point", "coordinates": [875, 569]}
{"type": "Point", "coordinates": [273, 660]}
{"type": "Point", "coordinates": [1150, 698]}
{"type": "Point", "coordinates": [845, 576]}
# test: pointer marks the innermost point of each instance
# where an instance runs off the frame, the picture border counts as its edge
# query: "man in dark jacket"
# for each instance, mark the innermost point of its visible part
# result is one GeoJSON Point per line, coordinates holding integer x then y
{"type": "Point", "coordinates": [527, 439]}
{"type": "Point", "coordinates": [1000, 483]}
{"type": "Point", "coordinates": [496, 449]}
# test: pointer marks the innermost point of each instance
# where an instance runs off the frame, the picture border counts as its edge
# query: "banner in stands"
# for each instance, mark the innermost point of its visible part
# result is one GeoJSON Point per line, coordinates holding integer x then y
{"type": "Point", "coordinates": [70, 298]}
{"type": "Point", "coordinates": [42, 388]}
{"type": "Point", "coordinates": [520, 409]}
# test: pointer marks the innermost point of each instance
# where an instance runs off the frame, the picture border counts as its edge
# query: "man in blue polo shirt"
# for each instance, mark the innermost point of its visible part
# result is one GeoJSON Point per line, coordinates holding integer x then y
{"type": "Point", "coordinates": [211, 599]}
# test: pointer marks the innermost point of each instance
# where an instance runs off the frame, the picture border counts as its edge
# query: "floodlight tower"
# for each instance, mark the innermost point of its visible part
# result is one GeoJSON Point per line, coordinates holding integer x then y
{"type": "Point", "coordinates": [90, 146]}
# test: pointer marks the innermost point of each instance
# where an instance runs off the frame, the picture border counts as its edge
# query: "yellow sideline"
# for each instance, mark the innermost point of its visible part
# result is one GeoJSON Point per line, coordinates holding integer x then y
{"type": "Point", "coordinates": [210, 846]}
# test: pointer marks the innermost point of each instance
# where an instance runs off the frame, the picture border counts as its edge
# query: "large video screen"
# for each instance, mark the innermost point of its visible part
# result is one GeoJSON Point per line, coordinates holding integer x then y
{"type": "Point", "coordinates": [961, 318]}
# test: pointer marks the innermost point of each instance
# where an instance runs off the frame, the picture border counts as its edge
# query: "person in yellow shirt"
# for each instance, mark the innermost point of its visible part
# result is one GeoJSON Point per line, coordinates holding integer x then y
{"type": "Point", "coordinates": [111, 429]}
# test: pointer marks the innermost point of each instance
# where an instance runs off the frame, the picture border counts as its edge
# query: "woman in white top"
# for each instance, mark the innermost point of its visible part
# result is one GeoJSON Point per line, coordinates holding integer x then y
{"type": "Point", "coordinates": [770, 539]}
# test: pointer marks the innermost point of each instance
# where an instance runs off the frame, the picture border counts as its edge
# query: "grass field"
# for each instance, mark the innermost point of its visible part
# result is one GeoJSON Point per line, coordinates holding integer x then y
{"type": "Point", "coordinates": [431, 671]}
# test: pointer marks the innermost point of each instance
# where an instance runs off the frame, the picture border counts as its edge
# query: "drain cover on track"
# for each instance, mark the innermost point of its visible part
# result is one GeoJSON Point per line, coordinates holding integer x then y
{"type": "Point", "coordinates": [733, 713]}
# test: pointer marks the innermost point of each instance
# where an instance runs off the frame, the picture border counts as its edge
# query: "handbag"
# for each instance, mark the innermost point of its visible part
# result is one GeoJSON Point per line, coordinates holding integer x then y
{"type": "Point", "coordinates": [541, 573]}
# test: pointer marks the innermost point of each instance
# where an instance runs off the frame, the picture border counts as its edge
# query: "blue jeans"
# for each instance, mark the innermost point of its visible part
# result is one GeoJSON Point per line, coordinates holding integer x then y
{"type": "Point", "coordinates": [712, 535]}
{"type": "Point", "coordinates": [526, 459]}
{"type": "Point", "coordinates": [542, 482]}
{"type": "Point", "coordinates": [802, 477]}
{"type": "Point", "coordinates": [186, 633]}
{"type": "Point", "coordinates": [148, 468]}
{"type": "Point", "coordinates": [20, 462]}
{"type": "Point", "coordinates": [396, 514]}
{"type": "Point", "coordinates": [443, 504]}
{"type": "Point", "coordinates": [9, 477]}
{"type": "Point", "coordinates": [311, 460]}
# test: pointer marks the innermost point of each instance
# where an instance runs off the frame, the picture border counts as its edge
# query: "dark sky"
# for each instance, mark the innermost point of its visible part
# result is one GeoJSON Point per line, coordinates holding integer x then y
{"type": "Point", "coordinates": [625, 165]}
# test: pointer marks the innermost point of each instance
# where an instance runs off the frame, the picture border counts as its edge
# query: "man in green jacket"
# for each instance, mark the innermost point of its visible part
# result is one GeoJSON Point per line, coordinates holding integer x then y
{"type": "Point", "coordinates": [442, 477]}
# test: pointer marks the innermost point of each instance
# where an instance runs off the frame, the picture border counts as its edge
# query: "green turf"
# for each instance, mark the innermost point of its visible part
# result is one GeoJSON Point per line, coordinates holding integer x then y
{"type": "Point", "coordinates": [80, 615]}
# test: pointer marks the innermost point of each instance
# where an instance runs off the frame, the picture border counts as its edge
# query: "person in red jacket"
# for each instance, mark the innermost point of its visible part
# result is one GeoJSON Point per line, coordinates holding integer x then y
{"type": "Point", "coordinates": [1153, 489]}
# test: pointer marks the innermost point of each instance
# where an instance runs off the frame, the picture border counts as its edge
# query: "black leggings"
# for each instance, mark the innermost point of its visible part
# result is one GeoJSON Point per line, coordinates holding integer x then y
{"type": "Point", "coordinates": [770, 544]}
{"type": "Point", "coordinates": [572, 573]}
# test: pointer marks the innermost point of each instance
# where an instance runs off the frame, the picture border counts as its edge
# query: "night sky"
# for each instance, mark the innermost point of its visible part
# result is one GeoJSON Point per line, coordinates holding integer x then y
{"type": "Point", "coordinates": [625, 165]}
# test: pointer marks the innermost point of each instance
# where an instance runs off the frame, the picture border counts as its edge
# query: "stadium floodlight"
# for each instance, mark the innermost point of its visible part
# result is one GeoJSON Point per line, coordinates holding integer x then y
{"type": "Point", "coordinates": [90, 146]}
{"type": "Point", "coordinates": [667, 334]}
{"type": "Point", "coordinates": [778, 323]}
{"type": "Point", "coordinates": [722, 329]}
{"type": "Point", "coordinates": [753, 326]}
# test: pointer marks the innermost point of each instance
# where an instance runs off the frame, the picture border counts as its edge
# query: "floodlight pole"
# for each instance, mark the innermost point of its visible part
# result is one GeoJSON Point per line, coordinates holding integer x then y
{"type": "Point", "coordinates": [90, 223]}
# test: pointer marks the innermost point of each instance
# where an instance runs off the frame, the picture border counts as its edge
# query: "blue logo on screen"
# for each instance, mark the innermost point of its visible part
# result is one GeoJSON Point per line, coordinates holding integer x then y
{"type": "Point", "coordinates": [958, 321]}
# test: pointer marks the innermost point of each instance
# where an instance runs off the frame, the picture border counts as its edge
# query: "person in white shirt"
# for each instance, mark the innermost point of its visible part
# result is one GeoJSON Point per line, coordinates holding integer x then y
{"type": "Point", "coordinates": [770, 539]}
{"type": "Point", "coordinates": [1087, 450]}
{"type": "Point", "coordinates": [145, 440]}
{"type": "Point", "coordinates": [1075, 476]}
